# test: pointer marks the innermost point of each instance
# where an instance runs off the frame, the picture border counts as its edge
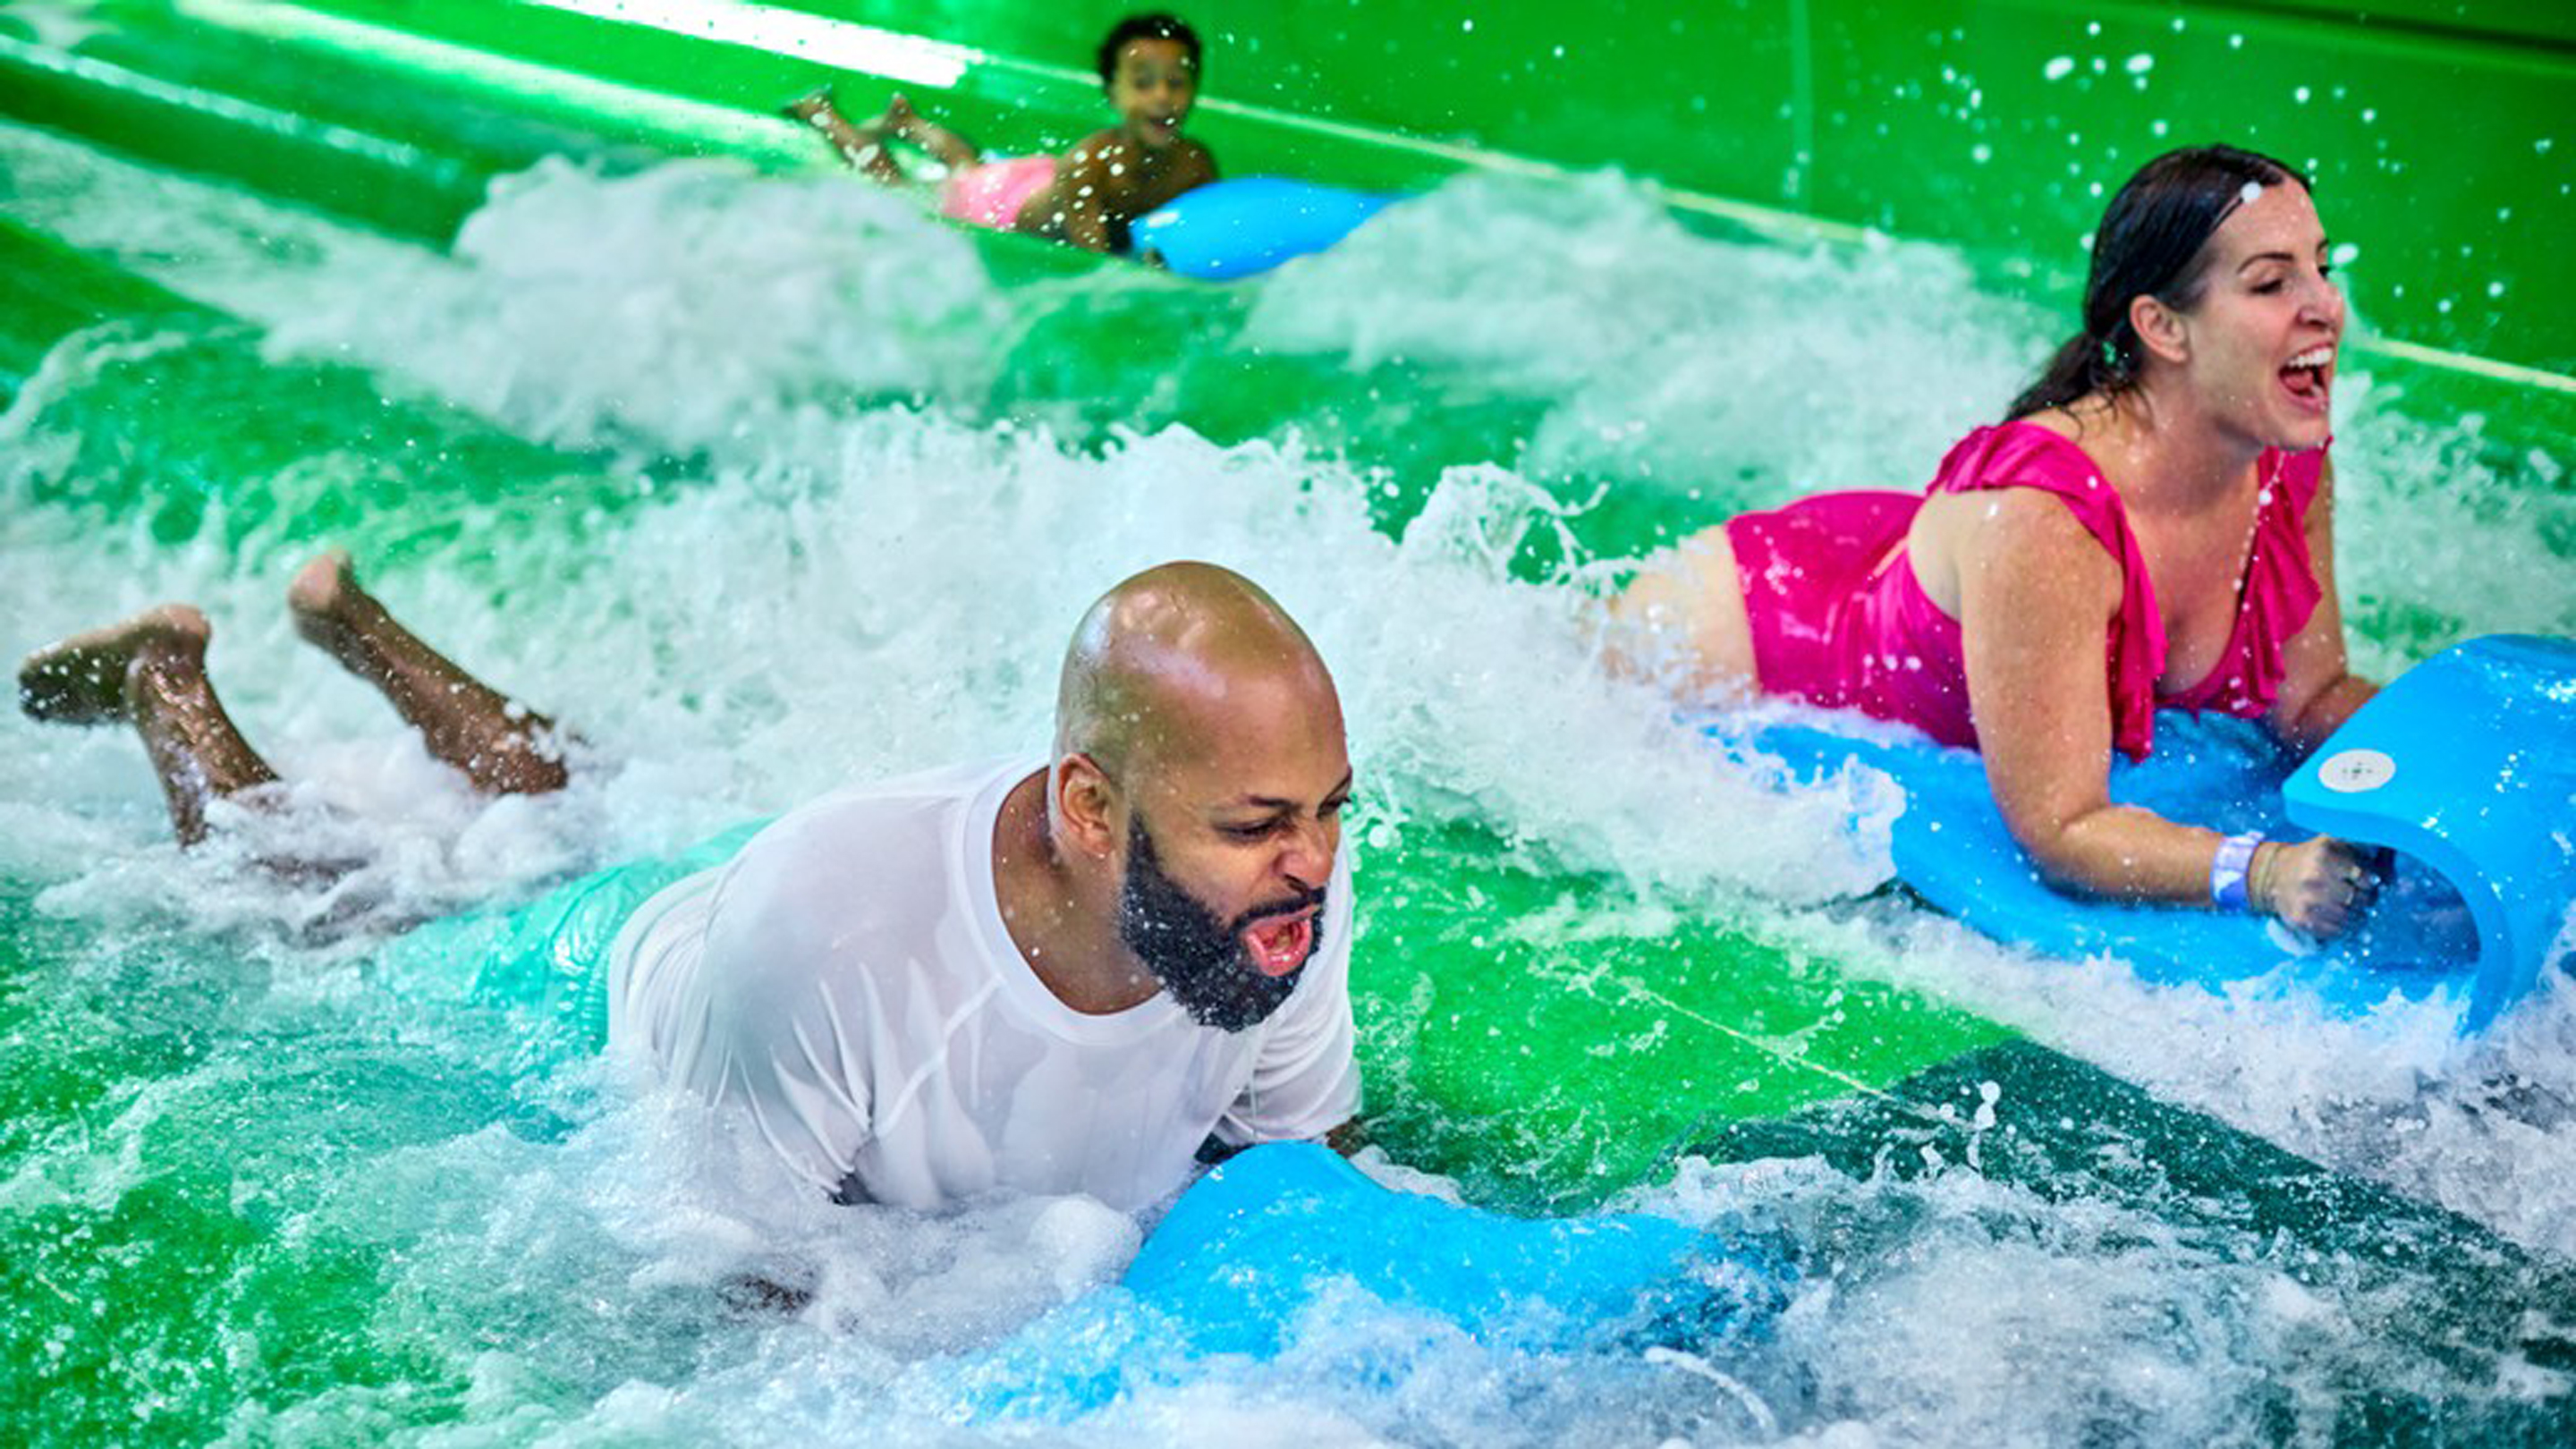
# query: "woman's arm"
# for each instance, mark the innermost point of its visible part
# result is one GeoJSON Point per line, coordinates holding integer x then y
{"type": "Point", "coordinates": [2037, 596]}
{"type": "Point", "coordinates": [2318, 691]}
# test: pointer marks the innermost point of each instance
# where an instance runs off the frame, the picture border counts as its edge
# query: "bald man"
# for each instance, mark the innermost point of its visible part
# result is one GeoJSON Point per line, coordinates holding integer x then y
{"type": "Point", "coordinates": [1048, 975]}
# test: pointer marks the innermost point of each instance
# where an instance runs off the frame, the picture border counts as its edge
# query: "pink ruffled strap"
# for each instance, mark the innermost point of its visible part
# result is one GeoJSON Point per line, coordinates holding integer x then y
{"type": "Point", "coordinates": [2276, 598]}
{"type": "Point", "coordinates": [2026, 455]}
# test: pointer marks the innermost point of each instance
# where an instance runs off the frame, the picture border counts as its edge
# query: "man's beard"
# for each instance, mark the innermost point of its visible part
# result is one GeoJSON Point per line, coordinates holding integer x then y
{"type": "Point", "coordinates": [1199, 959]}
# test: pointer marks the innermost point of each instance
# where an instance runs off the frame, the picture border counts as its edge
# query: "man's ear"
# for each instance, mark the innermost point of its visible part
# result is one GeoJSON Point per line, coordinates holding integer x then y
{"type": "Point", "coordinates": [2161, 330]}
{"type": "Point", "coordinates": [1088, 810]}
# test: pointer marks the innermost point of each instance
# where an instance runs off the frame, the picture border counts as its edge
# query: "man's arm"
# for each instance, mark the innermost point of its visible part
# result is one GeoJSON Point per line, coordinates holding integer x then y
{"type": "Point", "coordinates": [781, 1035]}
{"type": "Point", "coordinates": [1347, 1139]}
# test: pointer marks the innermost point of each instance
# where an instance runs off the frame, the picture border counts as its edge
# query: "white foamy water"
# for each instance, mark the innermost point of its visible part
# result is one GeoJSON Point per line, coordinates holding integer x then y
{"type": "Point", "coordinates": [1668, 357]}
{"type": "Point", "coordinates": [840, 588]}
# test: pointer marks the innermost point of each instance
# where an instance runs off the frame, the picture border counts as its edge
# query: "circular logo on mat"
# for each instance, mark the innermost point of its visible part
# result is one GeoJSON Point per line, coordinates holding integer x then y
{"type": "Point", "coordinates": [2349, 772]}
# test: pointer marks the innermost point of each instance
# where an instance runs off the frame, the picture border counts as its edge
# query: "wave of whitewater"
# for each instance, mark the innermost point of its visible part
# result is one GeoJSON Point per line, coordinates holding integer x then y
{"type": "Point", "coordinates": [865, 569]}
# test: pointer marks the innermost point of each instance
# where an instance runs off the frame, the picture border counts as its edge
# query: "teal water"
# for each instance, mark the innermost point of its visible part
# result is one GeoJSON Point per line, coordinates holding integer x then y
{"type": "Point", "coordinates": [767, 485]}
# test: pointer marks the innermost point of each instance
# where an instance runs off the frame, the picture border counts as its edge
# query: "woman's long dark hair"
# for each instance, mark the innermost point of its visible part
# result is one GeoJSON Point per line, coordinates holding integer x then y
{"type": "Point", "coordinates": [2152, 243]}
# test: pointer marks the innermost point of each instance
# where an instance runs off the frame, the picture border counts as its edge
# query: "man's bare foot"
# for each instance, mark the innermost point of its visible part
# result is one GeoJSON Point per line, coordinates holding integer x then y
{"type": "Point", "coordinates": [328, 605]}
{"type": "Point", "coordinates": [502, 746]}
{"type": "Point", "coordinates": [85, 678]}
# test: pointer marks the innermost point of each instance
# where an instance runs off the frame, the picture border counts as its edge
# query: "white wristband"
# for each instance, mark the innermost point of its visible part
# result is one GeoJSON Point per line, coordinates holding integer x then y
{"type": "Point", "coordinates": [2228, 870]}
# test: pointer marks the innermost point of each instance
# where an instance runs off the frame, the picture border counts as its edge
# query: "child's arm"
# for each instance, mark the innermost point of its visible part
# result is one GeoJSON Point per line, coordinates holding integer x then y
{"type": "Point", "coordinates": [1104, 184]}
{"type": "Point", "coordinates": [1193, 167]}
{"type": "Point", "coordinates": [1086, 194]}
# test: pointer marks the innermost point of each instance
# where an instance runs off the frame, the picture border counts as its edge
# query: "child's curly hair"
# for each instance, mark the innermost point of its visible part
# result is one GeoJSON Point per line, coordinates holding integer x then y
{"type": "Point", "coordinates": [1153, 25]}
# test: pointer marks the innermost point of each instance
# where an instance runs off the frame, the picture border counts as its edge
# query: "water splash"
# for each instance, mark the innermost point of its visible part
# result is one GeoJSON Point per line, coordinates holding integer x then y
{"type": "Point", "coordinates": [805, 585]}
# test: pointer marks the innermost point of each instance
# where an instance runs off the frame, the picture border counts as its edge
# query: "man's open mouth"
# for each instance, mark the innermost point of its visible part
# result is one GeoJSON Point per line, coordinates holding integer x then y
{"type": "Point", "coordinates": [1279, 944]}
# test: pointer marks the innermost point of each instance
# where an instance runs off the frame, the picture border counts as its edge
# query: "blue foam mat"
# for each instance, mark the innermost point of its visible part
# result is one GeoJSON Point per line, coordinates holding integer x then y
{"type": "Point", "coordinates": [1249, 1247]}
{"type": "Point", "coordinates": [2482, 878]}
{"type": "Point", "coordinates": [2469, 763]}
{"type": "Point", "coordinates": [1236, 228]}
{"type": "Point", "coordinates": [1288, 1239]}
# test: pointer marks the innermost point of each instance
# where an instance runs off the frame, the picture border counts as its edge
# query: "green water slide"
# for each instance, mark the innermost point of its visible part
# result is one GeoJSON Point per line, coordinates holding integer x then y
{"type": "Point", "coordinates": [1545, 1070]}
{"type": "Point", "coordinates": [2433, 127]}
{"type": "Point", "coordinates": [1468, 1021]}
{"type": "Point", "coordinates": [167, 411]}
{"type": "Point", "coordinates": [397, 114]}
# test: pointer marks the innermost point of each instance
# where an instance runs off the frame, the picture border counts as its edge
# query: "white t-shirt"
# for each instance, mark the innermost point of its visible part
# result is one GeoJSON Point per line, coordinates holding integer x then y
{"type": "Point", "coordinates": [847, 980]}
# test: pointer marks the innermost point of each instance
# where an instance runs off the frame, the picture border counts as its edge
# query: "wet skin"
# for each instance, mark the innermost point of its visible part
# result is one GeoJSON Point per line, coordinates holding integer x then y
{"type": "Point", "coordinates": [1195, 715]}
{"type": "Point", "coordinates": [2034, 591]}
{"type": "Point", "coordinates": [1117, 175]}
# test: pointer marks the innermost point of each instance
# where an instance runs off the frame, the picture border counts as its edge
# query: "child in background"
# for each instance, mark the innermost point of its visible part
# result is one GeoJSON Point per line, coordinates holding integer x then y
{"type": "Point", "coordinates": [1149, 65]}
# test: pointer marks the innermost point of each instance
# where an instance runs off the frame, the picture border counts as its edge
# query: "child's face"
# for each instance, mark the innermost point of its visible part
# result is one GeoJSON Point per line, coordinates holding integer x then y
{"type": "Point", "coordinates": [1152, 90]}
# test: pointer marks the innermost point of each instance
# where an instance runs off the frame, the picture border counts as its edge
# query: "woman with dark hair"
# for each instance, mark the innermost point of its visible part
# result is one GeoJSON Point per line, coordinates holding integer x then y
{"type": "Point", "coordinates": [2150, 527]}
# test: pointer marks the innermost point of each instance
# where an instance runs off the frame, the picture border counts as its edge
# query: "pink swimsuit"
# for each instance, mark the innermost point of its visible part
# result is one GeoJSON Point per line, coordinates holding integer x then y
{"type": "Point", "coordinates": [991, 193]}
{"type": "Point", "coordinates": [1838, 619]}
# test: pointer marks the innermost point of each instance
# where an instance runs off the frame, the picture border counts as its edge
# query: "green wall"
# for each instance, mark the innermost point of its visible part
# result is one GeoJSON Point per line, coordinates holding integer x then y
{"type": "Point", "coordinates": [2442, 133]}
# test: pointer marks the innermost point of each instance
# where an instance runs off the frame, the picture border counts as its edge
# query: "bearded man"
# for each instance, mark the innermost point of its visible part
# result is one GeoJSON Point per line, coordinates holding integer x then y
{"type": "Point", "coordinates": [1045, 976]}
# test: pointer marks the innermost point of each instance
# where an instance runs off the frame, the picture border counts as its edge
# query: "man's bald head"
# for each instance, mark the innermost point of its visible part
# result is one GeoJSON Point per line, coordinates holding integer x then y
{"type": "Point", "coordinates": [1172, 658]}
